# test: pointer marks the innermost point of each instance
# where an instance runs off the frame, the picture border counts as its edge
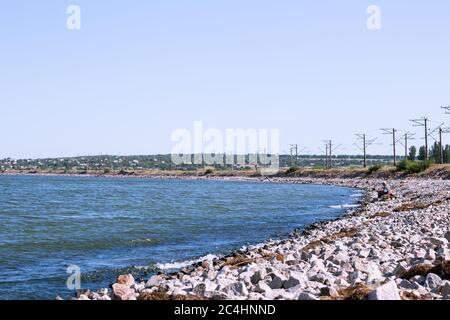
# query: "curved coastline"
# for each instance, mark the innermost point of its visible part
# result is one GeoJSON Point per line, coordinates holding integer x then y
{"type": "Point", "coordinates": [385, 250]}
{"type": "Point", "coordinates": [394, 249]}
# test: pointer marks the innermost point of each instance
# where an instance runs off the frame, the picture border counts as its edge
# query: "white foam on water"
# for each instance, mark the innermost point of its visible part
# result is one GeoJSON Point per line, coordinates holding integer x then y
{"type": "Point", "coordinates": [186, 263]}
{"type": "Point", "coordinates": [356, 195]}
{"type": "Point", "coordinates": [344, 206]}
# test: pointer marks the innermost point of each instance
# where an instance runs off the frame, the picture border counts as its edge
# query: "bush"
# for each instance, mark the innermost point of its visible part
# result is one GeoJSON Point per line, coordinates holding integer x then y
{"type": "Point", "coordinates": [410, 167]}
{"type": "Point", "coordinates": [375, 168]}
{"type": "Point", "coordinates": [291, 170]}
{"type": "Point", "coordinates": [209, 171]}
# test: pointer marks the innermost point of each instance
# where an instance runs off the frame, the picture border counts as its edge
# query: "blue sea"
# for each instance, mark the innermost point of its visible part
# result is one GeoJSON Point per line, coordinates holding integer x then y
{"type": "Point", "coordinates": [110, 226]}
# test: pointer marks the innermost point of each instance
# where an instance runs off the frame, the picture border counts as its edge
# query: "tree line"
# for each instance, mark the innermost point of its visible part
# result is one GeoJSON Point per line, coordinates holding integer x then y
{"type": "Point", "coordinates": [434, 153]}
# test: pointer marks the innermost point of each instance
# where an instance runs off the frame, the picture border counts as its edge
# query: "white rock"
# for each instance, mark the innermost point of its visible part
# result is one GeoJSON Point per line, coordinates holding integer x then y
{"type": "Point", "coordinates": [431, 255]}
{"type": "Point", "coordinates": [154, 281]}
{"type": "Point", "coordinates": [253, 296]}
{"type": "Point", "coordinates": [434, 282]}
{"type": "Point", "coordinates": [263, 287]}
{"type": "Point", "coordinates": [420, 253]}
{"type": "Point", "coordinates": [387, 291]}
{"type": "Point", "coordinates": [364, 253]}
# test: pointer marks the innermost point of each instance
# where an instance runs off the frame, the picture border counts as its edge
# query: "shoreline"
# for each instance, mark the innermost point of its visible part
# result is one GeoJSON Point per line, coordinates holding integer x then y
{"type": "Point", "coordinates": [370, 252]}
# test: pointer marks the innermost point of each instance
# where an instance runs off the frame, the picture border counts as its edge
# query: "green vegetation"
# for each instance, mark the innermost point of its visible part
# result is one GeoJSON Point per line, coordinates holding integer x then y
{"type": "Point", "coordinates": [422, 153]}
{"type": "Point", "coordinates": [375, 168]}
{"type": "Point", "coordinates": [291, 170]}
{"type": "Point", "coordinates": [412, 153]}
{"type": "Point", "coordinates": [410, 167]}
{"type": "Point", "coordinates": [163, 162]}
{"type": "Point", "coordinates": [209, 171]}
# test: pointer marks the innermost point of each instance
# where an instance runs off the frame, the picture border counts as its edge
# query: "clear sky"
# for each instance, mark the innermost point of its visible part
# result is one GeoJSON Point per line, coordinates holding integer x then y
{"type": "Point", "coordinates": [137, 70]}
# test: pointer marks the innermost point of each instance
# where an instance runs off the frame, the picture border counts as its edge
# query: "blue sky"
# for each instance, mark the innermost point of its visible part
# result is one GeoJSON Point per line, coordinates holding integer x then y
{"type": "Point", "coordinates": [137, 70]}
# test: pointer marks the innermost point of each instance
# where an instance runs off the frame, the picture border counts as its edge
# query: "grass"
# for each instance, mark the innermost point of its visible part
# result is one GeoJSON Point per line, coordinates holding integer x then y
{"type": "Point", "coordinates": [375, 168]}
{"type": "Point", "coordinates": [411, 167]}
{"type": "Point", "coordinates": [291, 170]}
{"type": "Point", "coordinates": [209, 171]}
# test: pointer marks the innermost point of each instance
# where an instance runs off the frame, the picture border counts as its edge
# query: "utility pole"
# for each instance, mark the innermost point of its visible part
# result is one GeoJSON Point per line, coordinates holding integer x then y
{"type": "Point", "coordinates": [330, 151]}
{"type": "Point", "coordinates": [365, 143]}
{"type": "Point", "coordinates": [423, 123]}
{"type": "Point", "coordinates": [441, 147]}
{"type": "Point", "coordinates": [329, 147]}
{"type": "Point", "coordinates": [294, 147]}
{"type": "Point", "coordinates": [441, 131]}
{"type": "Point", "coordinates": [290, 157]}
{"type": "Point", "coordinates": [407, 136]}
{"type": "Point", "coordinates": [447, 109]}
{"type": "Point", "coordinates": [327, 144]}
{"type": "Point", "coordinates": [392, 132]}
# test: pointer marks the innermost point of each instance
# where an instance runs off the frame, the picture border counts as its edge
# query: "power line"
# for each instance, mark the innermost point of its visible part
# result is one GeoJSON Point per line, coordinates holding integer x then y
{"type": "Point", "coordinates": [405, 138]}
{"type": "Point", "coordinates": [294, 147]}
{"type": "Point", "coordinates": [392, 132]}
{"type": "Point", "coordinates": [327, 145]}
{"type": "Point", "coordinates": [330, 148]}
{"type": "Point", "coordinates": [365, 144]}
{"type": "Point", "coordinates": [423, 123]}
{"type": "Point", "coordinates": [440, 131]}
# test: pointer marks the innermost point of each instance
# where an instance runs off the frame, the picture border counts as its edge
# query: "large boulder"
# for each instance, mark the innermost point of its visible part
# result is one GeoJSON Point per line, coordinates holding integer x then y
{"type": "Point", "coordinates": [154, 281]}
{"type": "Point", "coordinates": [123, 292]}
{"type": "Point", "coordinates": [434, 282]}
{"type": "Point", "coordinates": [126, 279]}
{"type": "Point", "coordinates": [388, 291]}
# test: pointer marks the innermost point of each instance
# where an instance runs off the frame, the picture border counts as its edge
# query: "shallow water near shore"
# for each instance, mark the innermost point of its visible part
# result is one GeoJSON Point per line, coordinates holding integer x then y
{"type": "Point", "coordinates": [111, 226]}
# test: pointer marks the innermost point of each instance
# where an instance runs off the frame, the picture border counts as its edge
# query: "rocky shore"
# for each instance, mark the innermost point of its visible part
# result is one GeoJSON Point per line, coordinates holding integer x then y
{"type": "Point", "coordinates": [387, 249]}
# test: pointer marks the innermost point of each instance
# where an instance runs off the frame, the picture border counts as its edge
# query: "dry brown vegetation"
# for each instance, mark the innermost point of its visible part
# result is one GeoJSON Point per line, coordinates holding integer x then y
{"type": "Point", "coordinates": [358, 292]}
{"type": "Point", "coordinates": [147, 296]}
{"type": "Point", "coordinates": [343, 233]}
{"type": "Point", "coordinates": [441, 269]}
{"type": "Point", "coordinates": [382, 214]}
{"type": "Point", "coordinates": [411, 206]}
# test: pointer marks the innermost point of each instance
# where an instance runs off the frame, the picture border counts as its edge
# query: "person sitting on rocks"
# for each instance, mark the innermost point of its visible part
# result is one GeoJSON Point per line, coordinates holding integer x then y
{"type": "Point", "coordinates": [385, 192]}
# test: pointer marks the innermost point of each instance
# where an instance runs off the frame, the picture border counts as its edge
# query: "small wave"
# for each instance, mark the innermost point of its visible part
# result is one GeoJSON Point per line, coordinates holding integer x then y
{"type": "Point", "coordinates": [144, 241]}
{"type": "Point", "coordinates": [344, 206]}
{"type": "Point", "coordinates": [186, 263]}
{"type": "Point", "coordinates": [356, 195]}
